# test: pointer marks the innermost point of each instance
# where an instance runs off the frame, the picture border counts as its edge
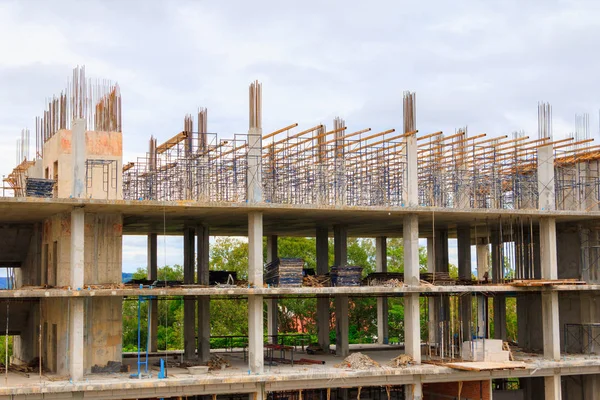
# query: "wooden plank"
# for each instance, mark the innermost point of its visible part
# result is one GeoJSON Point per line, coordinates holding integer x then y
{"type": "Point", "coordinates": [486, 365]}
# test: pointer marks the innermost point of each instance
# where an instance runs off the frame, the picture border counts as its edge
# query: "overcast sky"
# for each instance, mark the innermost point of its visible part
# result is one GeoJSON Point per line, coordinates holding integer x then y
{"type": "Point", "coordinates": [481, 64]}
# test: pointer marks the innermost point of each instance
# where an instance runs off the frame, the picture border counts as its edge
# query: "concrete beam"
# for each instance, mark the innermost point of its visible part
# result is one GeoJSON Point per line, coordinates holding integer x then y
{"type": "Point", "coordinates": [272, 309]}
{"type": "Point", "coordinates": [382, 302]}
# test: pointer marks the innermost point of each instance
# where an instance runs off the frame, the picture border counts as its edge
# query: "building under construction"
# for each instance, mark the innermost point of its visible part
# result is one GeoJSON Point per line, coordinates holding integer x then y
{"type": "Point", "coordinates": [527, 209]}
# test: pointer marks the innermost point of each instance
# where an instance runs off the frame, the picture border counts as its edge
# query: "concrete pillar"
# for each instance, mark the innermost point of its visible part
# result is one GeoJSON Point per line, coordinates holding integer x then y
{"type": "Point", "coordinates": [412, 169]}
{"type": "Point", "coordinates": [497, 277]}
{"type": "Point", "coordinates": [548, 257]}
{"type": "Point", "coordinates": [552, 387]}
{"type": "Point", "coordinates": [483, 260]}
{"type": "Point", "coordinates": [255, 302]}
{"type": "Point", "coordinates": [441, 303]}
{"type": "Point", "coordinates": [545, 173]}
{"type": "Point", "coordinates": [412, 321]}
{"type": "Point", "coordinates": [483, 268]}
{"type": "Point", "coordinates": [78, 158]}
{"type": "Point", "coordinates": [152, 273]}
{"type": "Point", "coordinates": [549, 264]}
{"type": "Point", "coordinates": [323, 315]}
{"type": "Point", "coordinates": [431, 301]}
{"type": "Point", "coordinates": [340, 245]}
{"type": "Point", "coordinates": [203, 249]}
{"type": "Point", "coordinates": [382, 302]}
{"type": "Point", "coordinates": [551, 327]}
{"type": "Point", "coordinates": [76, 312]}
{"type": "Point", "coordinates": [189, 304]}
{"type": "Point", "coordinates": [464, 273]}
{"type": "Point", "coordinates": [414, 391]}
{"type": "Point", "coordinates": [272, 325]}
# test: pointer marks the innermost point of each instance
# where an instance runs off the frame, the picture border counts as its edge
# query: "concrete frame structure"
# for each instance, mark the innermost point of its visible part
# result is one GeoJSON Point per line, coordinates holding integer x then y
{"type": "Point", "coordinates": [86, 231]}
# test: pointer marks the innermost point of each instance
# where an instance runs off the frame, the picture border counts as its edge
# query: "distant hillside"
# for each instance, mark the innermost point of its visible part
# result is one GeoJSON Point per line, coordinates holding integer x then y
{"type": "Point", "coordinates": [126, 276]}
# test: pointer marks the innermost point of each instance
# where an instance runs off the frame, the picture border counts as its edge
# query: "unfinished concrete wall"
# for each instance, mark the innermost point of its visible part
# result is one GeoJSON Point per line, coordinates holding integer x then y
{"type": "Point", "coordinates": [55, 335]}
{"type": "Point", "coordinates": [103, 331]}
{"type": "Point", "coordinates": [23, 351]}
{"type": "Point", "coordinates": [106, 146]}
{"type": "Point", "coordinates": [103, 248]}
{"type": "Point", "coordinates": [529, 321]}
{"type": "Point", "coordinates": [568, 252]}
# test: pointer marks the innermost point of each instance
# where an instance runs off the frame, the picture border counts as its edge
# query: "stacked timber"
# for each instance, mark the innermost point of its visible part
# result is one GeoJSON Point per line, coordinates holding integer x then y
{"type": "Point", "coordinates": [346, 275]}
{"type": "Point", "coordinates": [438, 278]}
{"type": "Point", "coordinates": [284, 272]}
{"type": "Point", "coordinates": [37, 187]}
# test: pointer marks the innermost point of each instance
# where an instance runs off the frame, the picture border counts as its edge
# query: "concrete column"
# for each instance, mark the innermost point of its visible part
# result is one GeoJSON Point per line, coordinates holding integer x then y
{"type": "Point", "coordinates": [76, 312]}
{"type": "Point", "coordinates": [545, 170]}
{"type": "Point", "coordinates": [483, 268]}
{"type": "Point", "coordinates": [152, 273]}
{"type": "Point", "coordinates": [255, 302]}
{"type": "Point", "coordinates": [497, 277]}
{"type": "Point", "coordinates": [414, 391]}
{"type": "Point", "coordinates": [78, 157]}
{"type": "Point", "coordinates": [551, 327]}
{"type": "Point", "coordinates": [548, 257]}
{"type": "Point", "coordinates": [189, 304]}
{"type": "Point", "coordinates": [548, 260]}
{"type": "Point", "coordinates": [382, 302]}
{"type": "Point", "coordinates": [412, 322]}
{"type": "Point", "coordinates": [412, 169]}
{"type": "Point", "coordinates": [464, 273]}
{"type": "Point", "coordinates": [323, 315]}
{"type": "Point", "coordinates": [272, 325]}
{"type": "Point", "coordinates": [77, 248]}
{"type": "Point", "coordinates": [552, 388]}
{"type": "Point", "coordinates": [441, 263]}
{"type": "Point", "coordinates": [203, 249]}
{"type": "Point", "coordinates": [431, 301]}
{"type": "Point", "coordinates": [340, 244]}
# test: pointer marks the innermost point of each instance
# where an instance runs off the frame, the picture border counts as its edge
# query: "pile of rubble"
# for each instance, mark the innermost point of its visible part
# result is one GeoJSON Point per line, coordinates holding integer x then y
{"type": "Point", "coordinates": [403, 360]}
{"type": "Point", "coordinates": [217, 362]}
{"type": "Point", "coordinates": [358, 361]}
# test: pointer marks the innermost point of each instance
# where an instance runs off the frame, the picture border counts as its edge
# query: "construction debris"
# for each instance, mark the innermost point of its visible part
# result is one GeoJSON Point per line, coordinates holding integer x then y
{"type": "Point", "coordinates": [110, 368]}
{"type": "Point", "coordinates": [217, 362]}
{"type": "Point", "coordinates": [358, 361]}
{"type": "Point", "coordinates": [345, 275]}
{"type": "Point", "coordinates": [314, 348]}
{"type": "Point", "coordinates": [317, 280]}
{"type": "Point", "coordinates": [403, 360]}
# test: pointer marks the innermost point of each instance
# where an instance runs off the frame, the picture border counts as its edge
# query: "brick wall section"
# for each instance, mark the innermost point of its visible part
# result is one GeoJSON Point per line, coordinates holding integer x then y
{"type": "Point", "coordinates": [471, 390]}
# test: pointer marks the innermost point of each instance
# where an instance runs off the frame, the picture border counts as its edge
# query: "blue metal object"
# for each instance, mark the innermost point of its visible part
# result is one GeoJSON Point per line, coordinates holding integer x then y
{"type": "Point", "coordinates": [161, 373]}
{"type": "Point", "coordinates": [142, 299]}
